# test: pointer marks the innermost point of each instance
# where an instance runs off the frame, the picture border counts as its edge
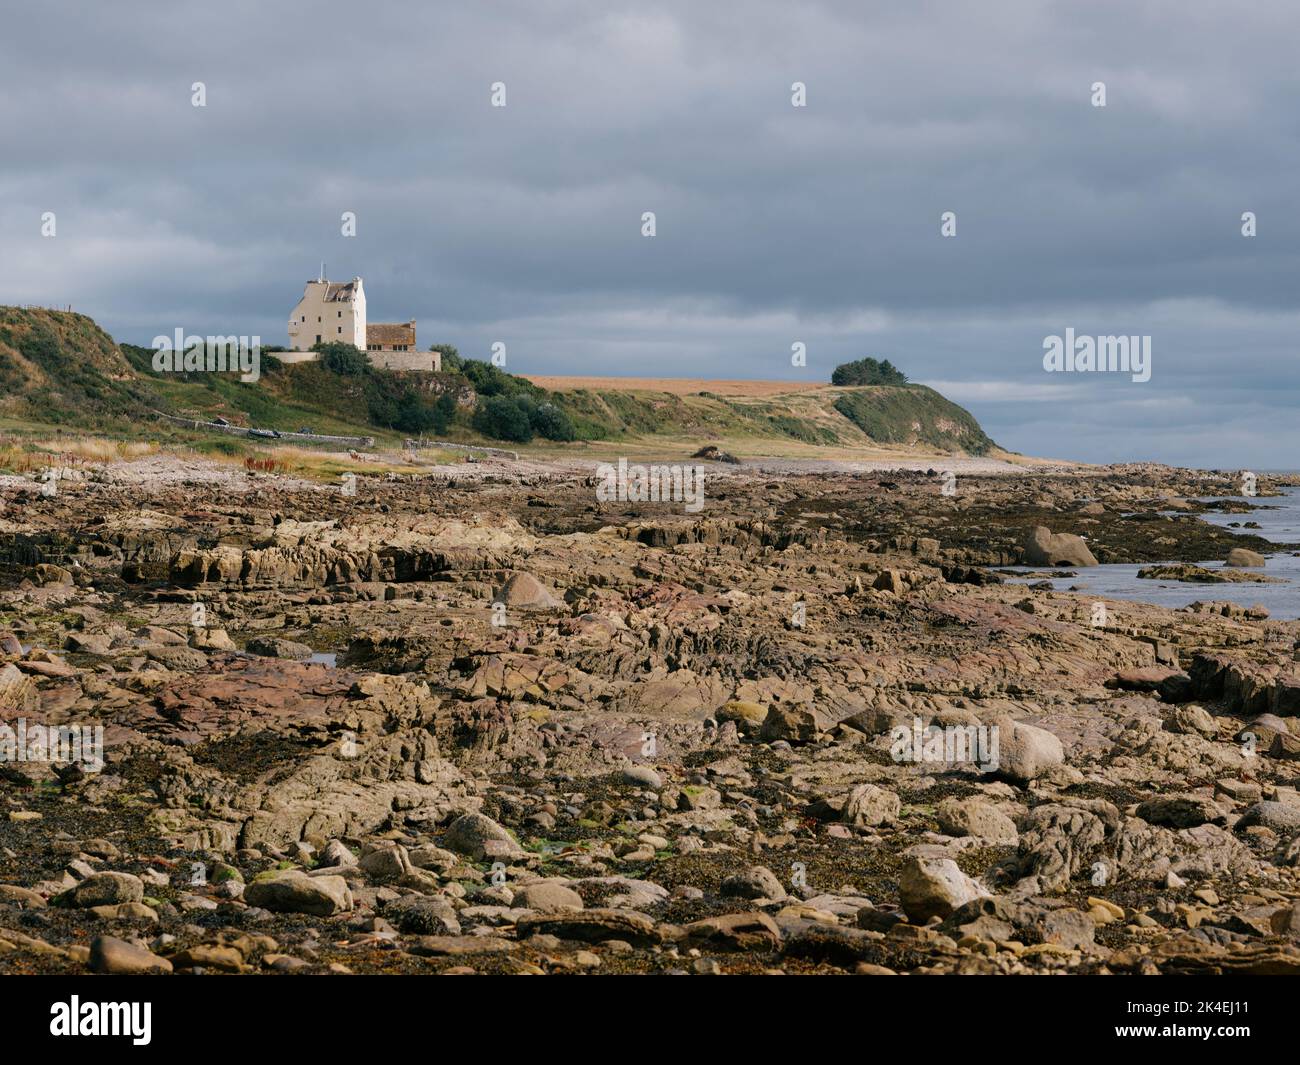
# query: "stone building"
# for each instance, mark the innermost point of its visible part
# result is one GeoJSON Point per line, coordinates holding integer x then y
{"type": "Point", "coordinates": [336, 311]}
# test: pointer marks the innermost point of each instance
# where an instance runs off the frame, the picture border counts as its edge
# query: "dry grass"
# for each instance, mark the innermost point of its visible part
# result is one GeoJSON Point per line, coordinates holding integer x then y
{"type": "Point", "coordinates": [16, 459]}
{"type": "Point", "coordinates": [677, 386]}
{"type": "Point", "coordinates": [97, 449]}
{"type": "Point", "coordinates": [70, 451]}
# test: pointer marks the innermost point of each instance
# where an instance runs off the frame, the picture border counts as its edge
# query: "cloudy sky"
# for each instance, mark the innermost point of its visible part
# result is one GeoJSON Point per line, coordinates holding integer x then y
{"type": "Point", "coordinates": [775, 224]}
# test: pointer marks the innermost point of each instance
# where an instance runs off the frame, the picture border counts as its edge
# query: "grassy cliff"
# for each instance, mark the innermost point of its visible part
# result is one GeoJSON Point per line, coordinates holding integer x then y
{"type": "Point", "coordinates": [59, 368]}
{"type": "Point", "coordinates": [890, 416]}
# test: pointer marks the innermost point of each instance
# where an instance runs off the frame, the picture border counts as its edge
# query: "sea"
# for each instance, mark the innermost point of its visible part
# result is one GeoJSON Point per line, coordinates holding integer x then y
{"type": "Point", "coordinates": [1279, 522]}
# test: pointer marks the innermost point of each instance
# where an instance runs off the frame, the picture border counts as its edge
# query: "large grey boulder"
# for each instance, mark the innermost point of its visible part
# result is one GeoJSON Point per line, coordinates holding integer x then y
{"type": "Point", "coordinates": [1046, 548]}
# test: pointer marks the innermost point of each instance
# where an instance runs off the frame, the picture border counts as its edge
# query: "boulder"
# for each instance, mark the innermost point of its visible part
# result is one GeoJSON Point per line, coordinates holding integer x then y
{"type": "Point", "coordinates": [107, 889]}
{"type": "Point", "coordinates": [296, 892]}
{"type": "Point", "coordinates": [977, 818]}
{"type": "Point", "coordinates": [871, 807]}
{"type": "Point", "coordinates": [481, 838]}
{"type": "Point", "coordinates": [756, 882]}
{"type": "Point", "coordinates": [1025, 752]}
{"type": "Point", "coordinates": [548, 896]}
{"type": "Point", "coordinates": [526, 591]}
{"type": "Point", "coordinates": [930, 887]}
{"type": "Point", "coordinates": [1045, 548]}
{"type": "Point", "coordinates": [111, 955]}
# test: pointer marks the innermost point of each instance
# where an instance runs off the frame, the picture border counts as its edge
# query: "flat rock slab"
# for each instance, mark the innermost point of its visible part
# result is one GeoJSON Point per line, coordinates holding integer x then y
{"type": "Point", "coordinates": [594, 926]}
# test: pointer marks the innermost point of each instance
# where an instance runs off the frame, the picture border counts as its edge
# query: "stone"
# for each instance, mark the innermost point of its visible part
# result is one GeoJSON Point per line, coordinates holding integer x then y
{"type": "Point", "coordinates": [869, 806]}
{"type": "Point", "coordinates": [296, 892]}
{"type": "Point", "coordinates": [107, 889]}
{"type": "Point", "coordinates": [644, 776]}
{"type": "Point", "coordinates": [976, 817]}
{"type": "Point", "coordinates": [1044, 548]}
{"type": "Point", "coordinates": [756, 882]}
{"type": "Point", "coordinates": [480, 837]}
{"type": "Point", "coordinates": [546, 896]}
{"type": "Point", "coordinates": [111, 955]}
{"type": "Point", "coordinates": [276, 647]}
{"type": "Point", "coordinates": [934, 887]}
{"type": "Point", "coordinates": [526, 591]}
{"type": "Point", "coordinates": [1025, 752]}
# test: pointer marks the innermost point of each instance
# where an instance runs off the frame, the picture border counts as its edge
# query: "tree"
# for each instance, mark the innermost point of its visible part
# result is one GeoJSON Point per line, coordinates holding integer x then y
{"type": "Point", "coordinates": [868, 372]}
{"type": "Point", "coordinates": [451, 359]}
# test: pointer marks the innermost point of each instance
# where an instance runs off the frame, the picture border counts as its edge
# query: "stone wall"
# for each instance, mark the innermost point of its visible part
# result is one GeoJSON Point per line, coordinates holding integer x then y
{"type": "Point", "coordinates": [406, 360]}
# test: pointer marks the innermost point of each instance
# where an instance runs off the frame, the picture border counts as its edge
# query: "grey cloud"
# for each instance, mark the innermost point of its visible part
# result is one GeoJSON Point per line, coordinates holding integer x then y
{"type": "Point", "coordinates": [775, 224]}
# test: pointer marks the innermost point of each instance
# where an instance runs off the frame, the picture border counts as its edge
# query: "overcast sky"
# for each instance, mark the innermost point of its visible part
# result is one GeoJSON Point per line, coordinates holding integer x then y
{"type": "Point", "coordinates": [775, 224]}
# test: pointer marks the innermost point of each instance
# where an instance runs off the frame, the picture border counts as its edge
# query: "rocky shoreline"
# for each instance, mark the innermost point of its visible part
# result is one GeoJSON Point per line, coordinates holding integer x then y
{"type": "Point", "coordinates": [490, 724]}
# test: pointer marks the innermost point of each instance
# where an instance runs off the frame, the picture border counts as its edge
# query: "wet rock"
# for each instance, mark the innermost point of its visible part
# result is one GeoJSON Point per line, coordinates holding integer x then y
{"type": "Point", "coordinates": [277, 647]}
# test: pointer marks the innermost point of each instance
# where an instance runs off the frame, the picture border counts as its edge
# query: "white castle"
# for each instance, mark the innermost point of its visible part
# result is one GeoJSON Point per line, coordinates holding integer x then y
{"type": "Point", "coordinates": [336, 311]}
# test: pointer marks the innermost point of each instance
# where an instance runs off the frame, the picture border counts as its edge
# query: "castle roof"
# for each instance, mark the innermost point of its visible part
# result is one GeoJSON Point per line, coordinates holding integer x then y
{"type": "Point", "coordinates": [340, 291]}
{"type": "Point", "coordinates": [390, 333]}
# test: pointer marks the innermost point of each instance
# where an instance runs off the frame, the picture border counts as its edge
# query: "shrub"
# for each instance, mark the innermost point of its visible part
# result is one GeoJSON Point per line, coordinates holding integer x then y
{"type": "Point", "coordinates": [346, 360]}
{"type": "Point", "coordinates": [503, 418]}
{"type": "Point", "coordinates": [552, 423]}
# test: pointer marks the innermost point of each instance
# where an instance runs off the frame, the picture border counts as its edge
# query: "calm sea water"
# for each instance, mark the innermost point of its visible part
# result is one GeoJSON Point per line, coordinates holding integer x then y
{"type": "Point", "coordinates": [1280, 523]}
